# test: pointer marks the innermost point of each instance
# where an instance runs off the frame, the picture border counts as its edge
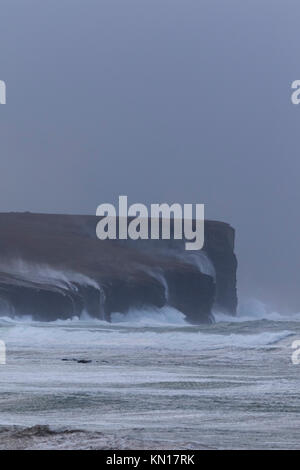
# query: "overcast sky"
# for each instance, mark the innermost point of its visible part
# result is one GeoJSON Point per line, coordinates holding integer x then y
{"type": "Point", "coordinates": [165, 101]}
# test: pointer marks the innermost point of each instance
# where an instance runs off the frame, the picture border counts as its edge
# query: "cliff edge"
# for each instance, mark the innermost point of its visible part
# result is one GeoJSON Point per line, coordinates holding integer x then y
{"type": "Point", "coordinates": [53, 266]}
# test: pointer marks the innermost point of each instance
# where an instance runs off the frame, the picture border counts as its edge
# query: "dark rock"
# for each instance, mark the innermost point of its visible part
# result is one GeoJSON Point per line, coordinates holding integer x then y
{"type": "Point", "coordinates": [79, 361]}
{"type": "Point", "coordinates": [53, 266]}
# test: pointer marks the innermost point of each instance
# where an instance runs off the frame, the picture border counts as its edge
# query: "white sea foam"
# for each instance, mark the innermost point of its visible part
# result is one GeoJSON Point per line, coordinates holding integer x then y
{"type": "Point", "coordinates": [135, 318]}
{"type": "Point", "coordinates": [42, 273]}
{"type": "Point", "coordinates": [202, 261]}
{"type": "Point", "coordinates": [86, 337]}
{"type": "Point", "coordinates": [255, 310]}
{"type": "Point", "coordinates": [149, 374]}
{"type": "Point", "coordinates": [150, 317]}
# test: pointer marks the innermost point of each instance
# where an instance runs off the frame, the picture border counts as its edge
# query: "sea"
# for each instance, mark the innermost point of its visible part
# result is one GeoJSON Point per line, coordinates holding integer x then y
{"type": "Point", "coordinates": [150, 380]}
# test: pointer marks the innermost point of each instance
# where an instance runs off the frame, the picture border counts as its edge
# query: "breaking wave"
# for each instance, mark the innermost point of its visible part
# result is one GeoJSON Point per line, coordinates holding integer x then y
{"type": "Point", "coordinates": [83, 337]}
{"type": "Point", "coordinates": [255, 310]}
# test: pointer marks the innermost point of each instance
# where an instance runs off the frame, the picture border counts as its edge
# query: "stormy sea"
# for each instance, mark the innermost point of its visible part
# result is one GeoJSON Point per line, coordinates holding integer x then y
{"type": "Point", "coordinates": [150, 380]}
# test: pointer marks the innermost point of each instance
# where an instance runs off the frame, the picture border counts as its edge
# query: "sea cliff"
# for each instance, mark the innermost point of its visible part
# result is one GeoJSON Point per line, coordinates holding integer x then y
{"type": "Point", "coordinates": [53, 266]}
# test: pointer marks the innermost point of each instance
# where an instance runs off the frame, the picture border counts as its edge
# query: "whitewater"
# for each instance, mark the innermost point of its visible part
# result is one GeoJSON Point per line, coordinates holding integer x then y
{"type": "Point", "coordinates": [151, 380]}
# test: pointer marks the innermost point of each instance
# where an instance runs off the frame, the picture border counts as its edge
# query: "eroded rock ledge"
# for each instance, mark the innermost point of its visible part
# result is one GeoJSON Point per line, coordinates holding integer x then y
{"type": "Point", "coordinates": [53, 266]}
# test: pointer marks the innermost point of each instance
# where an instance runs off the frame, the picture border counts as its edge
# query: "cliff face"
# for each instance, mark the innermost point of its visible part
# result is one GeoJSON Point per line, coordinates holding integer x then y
{"type": "Point", "coordinates": [53, 266]}
{"type": "Point", "coordinates": [219, 246]}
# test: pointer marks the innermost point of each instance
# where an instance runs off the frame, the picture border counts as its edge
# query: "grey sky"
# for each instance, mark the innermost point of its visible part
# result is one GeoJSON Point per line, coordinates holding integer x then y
{"type": "Point", "coordinates": [165, 101]}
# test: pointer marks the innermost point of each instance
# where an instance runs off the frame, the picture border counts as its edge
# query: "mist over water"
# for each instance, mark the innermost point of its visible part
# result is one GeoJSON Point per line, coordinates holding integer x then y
{"type": "Point", "coordinates": [132, 379]}
{"type": "Point", "coordinates": [171, 101]}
